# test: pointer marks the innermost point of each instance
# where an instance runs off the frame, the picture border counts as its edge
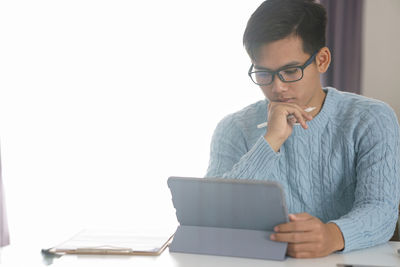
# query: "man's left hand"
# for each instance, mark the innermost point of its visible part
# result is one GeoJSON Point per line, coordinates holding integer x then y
{"type": "Point", "coordinates": [308, 237]}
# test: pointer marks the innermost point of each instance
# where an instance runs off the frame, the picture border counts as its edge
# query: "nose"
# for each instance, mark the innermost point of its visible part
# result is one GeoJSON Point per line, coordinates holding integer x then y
{"type": "Point", "coordinates": [278, 86]}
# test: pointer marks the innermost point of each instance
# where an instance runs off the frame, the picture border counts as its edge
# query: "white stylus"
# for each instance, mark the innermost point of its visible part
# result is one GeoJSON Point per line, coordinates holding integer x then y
{"type": "Point", "coordinates": [264, 124]}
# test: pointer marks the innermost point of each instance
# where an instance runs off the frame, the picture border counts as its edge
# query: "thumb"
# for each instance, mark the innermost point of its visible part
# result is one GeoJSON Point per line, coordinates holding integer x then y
{"type": "Point", "coordinates": [299, 217]}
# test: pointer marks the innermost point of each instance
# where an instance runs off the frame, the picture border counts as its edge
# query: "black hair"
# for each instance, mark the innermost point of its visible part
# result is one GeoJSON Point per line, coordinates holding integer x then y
{"type": "Point", "coordinates": [274, 20]}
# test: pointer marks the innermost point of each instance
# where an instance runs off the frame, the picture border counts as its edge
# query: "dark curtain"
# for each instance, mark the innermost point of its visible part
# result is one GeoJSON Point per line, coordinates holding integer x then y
{"type": "Point", "coordinates": [344, 40]}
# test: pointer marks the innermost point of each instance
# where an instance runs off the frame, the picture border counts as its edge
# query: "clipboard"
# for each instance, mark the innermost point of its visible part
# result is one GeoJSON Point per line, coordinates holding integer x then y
{"type": "Point", "coordinates": [113, 242]}
{"type": "Point", "coordinates": [228, 217]}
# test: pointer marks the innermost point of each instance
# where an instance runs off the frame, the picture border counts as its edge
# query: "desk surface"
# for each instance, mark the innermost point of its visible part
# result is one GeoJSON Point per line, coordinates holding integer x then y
{"type": "Point", "coordinates": [384, 255]}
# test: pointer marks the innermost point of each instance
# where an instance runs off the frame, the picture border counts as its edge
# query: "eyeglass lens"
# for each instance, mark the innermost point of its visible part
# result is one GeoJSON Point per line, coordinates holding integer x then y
{"type": "Point", "coordinates": [286, 75]}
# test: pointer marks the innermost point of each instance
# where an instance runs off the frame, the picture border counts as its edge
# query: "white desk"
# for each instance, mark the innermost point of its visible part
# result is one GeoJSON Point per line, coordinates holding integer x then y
{"type": "Point", "coordinates": [28, 254]}
{"type": "Point", "coordinates": [384, 255]}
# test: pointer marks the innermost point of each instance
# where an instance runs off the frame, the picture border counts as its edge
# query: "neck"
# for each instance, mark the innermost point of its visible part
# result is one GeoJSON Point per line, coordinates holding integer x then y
{"type": "Point", "coordinates": [317, 101]}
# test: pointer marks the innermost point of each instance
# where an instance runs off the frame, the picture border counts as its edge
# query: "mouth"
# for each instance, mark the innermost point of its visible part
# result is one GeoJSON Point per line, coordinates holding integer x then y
{"type": "Point", "coordinates": [286, 100]}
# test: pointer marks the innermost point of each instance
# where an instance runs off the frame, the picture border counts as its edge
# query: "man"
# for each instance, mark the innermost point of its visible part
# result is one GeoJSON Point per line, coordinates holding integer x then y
{"type": "Point", "coordinates": [338, 164]}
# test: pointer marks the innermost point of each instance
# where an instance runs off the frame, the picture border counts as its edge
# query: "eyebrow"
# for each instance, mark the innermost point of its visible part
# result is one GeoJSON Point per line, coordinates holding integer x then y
{"type": "Point", "coordinates": [290, 64]}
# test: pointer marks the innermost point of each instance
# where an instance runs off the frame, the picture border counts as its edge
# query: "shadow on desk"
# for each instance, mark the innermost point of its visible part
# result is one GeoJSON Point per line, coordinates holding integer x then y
{"type": "Point", "coordinates": [184, 260]}
{"type": "Point", "coordinates": [50, 258]}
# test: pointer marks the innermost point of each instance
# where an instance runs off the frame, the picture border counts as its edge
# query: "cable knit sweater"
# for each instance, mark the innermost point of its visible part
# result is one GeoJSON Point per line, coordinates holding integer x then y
{"type": "Point", "coordinates": [345, 168]}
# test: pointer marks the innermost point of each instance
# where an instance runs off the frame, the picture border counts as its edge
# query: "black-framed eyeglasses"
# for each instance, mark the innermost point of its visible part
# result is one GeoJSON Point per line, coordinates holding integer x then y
{"type": "Point", "coordinates": [285, 74]}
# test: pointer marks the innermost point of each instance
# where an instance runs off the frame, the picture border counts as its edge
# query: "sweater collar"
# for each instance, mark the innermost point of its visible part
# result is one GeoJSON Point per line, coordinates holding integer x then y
{"type": "Point", "coordinates": [322, 118]}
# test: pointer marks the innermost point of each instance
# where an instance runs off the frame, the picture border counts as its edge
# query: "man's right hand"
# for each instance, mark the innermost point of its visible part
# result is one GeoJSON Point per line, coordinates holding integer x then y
{"type": "Point", "coordinates": [279, 127]}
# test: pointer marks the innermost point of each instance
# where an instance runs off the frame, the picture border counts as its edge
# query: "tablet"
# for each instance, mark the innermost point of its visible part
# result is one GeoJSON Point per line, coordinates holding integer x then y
{"type": "Point", "coordinates": [228, 203]}
{"type": "Point", "coordinates": [214, 212]}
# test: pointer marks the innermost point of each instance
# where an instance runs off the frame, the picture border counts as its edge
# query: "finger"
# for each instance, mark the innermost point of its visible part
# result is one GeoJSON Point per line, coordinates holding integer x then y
{"type": "Point", "coordinates": [294, 237]}
{"type": "Point", "coordinates": [300, 216]}
{"type": "Point", "coordinates": [306, 250]}
{"type": "Point", "coordinates": [301, 255]}
{"type": "Point", "coordinates": [291, 119]}
{"type": "Point", "coordinates": [295, 226]}
{"type": "Point", "coordinates": [305, 115]}
{"type": "Point", "coordinates": [294, 113]}
{"type": "Point", "coordinates": [301, 247]}
{"type": "Point", "coordinates": [294, 218]}
{"type": "Point", "coordinates": [298, 114]}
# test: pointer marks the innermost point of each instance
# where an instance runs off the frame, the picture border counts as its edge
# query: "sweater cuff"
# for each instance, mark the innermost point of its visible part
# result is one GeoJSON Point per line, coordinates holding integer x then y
{"type": "Point", "coordinates": [349, 231]}
{"type": "Point", "coordinates": [259, 160]}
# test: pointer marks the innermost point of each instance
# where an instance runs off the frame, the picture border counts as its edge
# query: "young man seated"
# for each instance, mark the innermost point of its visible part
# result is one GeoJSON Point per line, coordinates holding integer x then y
{"type": "Point", "coordinates": [336, 154]}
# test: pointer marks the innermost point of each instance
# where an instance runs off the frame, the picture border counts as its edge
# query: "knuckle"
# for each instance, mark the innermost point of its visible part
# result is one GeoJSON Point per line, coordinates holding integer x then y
{"type": "Point", "coordinates": [296, 237]}
{"type": "Point", "coordinates": [278, 237]}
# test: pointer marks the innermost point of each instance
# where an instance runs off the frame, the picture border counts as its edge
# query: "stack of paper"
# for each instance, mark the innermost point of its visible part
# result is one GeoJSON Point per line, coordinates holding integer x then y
{"type": "Point", "coordinates": [116, 242]}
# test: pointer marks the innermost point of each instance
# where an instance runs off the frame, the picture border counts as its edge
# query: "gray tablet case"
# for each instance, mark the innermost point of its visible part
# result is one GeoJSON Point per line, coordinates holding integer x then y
{"type": "Point", "coordinates": [228, 217]}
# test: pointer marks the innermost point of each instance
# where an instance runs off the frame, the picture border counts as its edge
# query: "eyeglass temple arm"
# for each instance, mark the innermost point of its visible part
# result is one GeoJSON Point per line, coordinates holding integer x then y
{"type": "Point", "coordinates": [251, 67]}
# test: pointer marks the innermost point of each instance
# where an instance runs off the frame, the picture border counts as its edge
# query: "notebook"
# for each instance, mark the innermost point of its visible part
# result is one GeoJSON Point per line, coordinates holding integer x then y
{"type": "Point", "coordinates": [115, 242]}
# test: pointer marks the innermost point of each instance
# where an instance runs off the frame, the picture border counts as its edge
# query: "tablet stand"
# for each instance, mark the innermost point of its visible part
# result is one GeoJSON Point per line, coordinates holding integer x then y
{"type": "Point", "coordinates": [227, 242]}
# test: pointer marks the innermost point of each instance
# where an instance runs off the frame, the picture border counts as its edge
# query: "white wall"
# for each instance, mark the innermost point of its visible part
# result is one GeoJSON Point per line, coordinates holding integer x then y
{"type": "Point", "coordinates": [102, 100]}
{"type": "Point", "coordinates": [381, 52]}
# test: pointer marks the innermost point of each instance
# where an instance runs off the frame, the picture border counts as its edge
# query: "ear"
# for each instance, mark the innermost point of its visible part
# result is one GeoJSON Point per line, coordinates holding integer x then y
{"type": "Point", "coordinates": [323, 59]}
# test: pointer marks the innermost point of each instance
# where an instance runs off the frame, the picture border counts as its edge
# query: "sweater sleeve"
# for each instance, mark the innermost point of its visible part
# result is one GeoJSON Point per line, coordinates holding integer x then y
{"type": "Point", "coordinates": [373, 217]}
{"type": "Point", "coordinates": [231, 158]}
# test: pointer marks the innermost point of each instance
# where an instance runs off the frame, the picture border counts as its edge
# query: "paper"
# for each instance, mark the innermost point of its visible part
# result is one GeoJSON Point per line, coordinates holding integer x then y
{"type": "Point", "coordinates": [107, 241]}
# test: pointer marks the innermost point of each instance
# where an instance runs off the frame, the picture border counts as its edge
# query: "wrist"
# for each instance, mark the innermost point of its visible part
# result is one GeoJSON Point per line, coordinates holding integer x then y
{"type": "Point", "coordinates": [337, 237]}
{"type": "Point", "coordinates": [274, 142]}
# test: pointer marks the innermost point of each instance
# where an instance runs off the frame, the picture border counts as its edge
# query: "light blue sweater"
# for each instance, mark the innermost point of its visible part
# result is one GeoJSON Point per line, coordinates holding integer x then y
{"type": "Point", "coordinates": [345, 168]}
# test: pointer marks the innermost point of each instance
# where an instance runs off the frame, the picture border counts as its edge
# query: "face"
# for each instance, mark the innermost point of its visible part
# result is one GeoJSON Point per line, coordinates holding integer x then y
{"type": "Point", "coordinates": [289, 52]}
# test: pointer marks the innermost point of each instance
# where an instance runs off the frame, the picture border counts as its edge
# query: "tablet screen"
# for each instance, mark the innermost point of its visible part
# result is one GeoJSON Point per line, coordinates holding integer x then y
{"type": "Point", "coordinates": [228, 203]}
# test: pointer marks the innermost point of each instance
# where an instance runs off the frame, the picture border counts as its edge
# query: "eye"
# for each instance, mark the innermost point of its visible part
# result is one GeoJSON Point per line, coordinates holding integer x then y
{"type": "Point", "coordinates": [290, 71]}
